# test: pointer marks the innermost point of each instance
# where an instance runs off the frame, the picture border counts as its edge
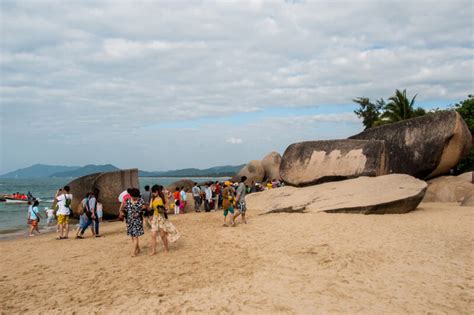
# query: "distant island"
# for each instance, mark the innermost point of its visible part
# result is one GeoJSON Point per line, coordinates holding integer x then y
{"type": "Point", "coordinates": [59, 171]}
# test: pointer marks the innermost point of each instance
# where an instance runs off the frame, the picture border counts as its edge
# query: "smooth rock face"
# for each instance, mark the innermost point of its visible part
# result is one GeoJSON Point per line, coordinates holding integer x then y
{"type": "Point", "coordinates": [449, 188]}
{"type": "Point", "coordinates": [395, 193]}
{"type": "Point", "coordinates": [186, 183]}
{"type": "Point", "coordinates": [254, 172]}
{"type": "Point", "coordinates": [313, 162]}
{"type": "Point", "coordinates": [425, 146]}
{"type": "Point", "coordinates": [271, 165]}
{"type": "Point", "coordinates": [110, 185]}
{"type": "Point", "coordinates": [468, 201]}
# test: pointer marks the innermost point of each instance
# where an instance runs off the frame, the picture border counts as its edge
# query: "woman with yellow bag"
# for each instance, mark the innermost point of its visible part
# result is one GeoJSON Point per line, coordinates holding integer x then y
{"type": "Point", "coordinates": [159, 222]}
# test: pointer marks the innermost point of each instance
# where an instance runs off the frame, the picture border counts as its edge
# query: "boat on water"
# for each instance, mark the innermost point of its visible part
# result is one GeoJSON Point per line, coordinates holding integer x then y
{"type": "Point", "coordinates": [18, 198]}
{"type": "Point", "coordinates": [12, 200]}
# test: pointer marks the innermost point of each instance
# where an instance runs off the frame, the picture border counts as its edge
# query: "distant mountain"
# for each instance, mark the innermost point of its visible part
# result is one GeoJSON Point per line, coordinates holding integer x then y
{"type": "Point", "coordinates": [39, 170]}
{"type": "Point", "coordinates": [216, 171]}
{"type": "Point", "coordinates": [86, 170]}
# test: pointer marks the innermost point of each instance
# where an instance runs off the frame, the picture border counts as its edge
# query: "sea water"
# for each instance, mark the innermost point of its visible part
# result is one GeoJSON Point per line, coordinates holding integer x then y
{"type": "Point", "coordinates": [13, 216]}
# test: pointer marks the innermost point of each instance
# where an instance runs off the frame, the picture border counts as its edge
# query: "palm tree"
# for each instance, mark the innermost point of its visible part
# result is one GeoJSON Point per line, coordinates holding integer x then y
{"type": "Point", "coordinates": [368, 111]}
{"type": "Point", "coordinates": [400, 108]}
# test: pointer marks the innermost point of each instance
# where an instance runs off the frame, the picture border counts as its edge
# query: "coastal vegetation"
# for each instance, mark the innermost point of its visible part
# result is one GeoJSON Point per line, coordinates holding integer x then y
{"type": "Point", "coordinates": [399, 107]}
{"type": "Point", "coordinates": [466, 109]}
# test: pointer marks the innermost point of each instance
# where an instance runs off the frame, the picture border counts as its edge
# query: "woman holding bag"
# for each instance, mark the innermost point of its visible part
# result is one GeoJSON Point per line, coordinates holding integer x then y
{"type": "Point", "coordinates": [159, 222]}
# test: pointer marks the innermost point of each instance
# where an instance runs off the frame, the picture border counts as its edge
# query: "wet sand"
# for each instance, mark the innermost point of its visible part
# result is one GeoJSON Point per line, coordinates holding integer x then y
{"type": "Point", "coordinates": [302, 263]}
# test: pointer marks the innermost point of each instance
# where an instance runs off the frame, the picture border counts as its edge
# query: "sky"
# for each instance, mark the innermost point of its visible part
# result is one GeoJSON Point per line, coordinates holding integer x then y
{"type": "Point", "coordinates": [163, 85]}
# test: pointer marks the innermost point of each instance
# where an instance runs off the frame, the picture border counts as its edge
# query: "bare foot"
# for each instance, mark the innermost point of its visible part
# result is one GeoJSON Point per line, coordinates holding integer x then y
{"type": "Point", "coordinates": [152, 253]}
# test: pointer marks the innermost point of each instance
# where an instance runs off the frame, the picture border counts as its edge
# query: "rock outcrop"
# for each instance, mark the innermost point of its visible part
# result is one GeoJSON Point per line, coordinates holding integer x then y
{"type": "Point", "coordinates": [468, 201]}
{"type": "Point", "coordinates": [424, 147]}
{"type": "Point", "coordinates": [449, 188]}
{"type": "Point", "coordinates": [254, 172]}
{"type": "Point", "coordinates": [109, 185]}
{"type": "Point", "coordinates": [395, 193]}
{"type": "Point", "coordinates": [271, 165]}
{"type": "Point", "coordinates": [314, 162]}
{"type": "Point", "coordinates": [186, 183]}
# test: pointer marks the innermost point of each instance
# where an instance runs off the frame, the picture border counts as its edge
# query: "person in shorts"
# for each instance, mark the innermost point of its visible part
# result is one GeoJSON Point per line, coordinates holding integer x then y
{"type": "Point", "coordinates": [197, 197]}
{"type": "Point", "coordinates": [240, 199]}
{"type": "Point", "coordinates": [227, 202]}
{"type": "Point", "coordinates": [64, 199]}
{"type": "Point", "coordinates": [49, 216]}
{"type": "Point", "coordinates": [34, 217]}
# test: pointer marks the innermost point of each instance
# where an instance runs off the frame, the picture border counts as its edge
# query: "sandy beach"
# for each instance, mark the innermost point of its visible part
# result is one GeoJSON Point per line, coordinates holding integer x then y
{"type": "Point", "coordinates": [420, 262]}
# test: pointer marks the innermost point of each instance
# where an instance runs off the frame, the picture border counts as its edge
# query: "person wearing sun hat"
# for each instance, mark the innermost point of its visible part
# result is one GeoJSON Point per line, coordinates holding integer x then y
{"type": "Point", "coordinates": [227, 202]}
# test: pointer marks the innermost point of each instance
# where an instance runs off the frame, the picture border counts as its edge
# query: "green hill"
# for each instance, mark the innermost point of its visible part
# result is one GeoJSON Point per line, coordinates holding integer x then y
{"type": "Point", "coordinates": [38, 171]}
{"type": "Point", "coordinates": [86, 170]}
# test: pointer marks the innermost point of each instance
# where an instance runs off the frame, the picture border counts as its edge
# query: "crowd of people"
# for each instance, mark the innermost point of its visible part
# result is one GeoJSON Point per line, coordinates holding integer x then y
{"type": "Point", "coordinates": [149, 209]}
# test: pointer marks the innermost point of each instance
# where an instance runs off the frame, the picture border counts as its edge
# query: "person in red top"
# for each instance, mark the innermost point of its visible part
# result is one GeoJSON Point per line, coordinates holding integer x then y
{"type": "Point", "coordinates": [177, 200]}
{"type": "Point", "coordinates": [217, 190]}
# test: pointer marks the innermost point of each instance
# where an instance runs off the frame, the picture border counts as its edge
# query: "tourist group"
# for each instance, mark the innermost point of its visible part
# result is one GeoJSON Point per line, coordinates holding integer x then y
{"type": "Point", "coordinates": [148, 209]}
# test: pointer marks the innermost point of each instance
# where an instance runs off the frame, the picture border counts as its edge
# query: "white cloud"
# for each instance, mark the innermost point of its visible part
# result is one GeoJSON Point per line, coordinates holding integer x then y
{"type": "Point", "coordinates": [113, 67]}
{"type": "Point", "coordinates": [233, 140]}
{"type": "Point", "coordinates": [119, 47]}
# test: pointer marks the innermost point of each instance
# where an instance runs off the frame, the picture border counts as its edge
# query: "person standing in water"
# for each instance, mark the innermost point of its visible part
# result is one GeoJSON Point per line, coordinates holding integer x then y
{"type": "Point", "coordinates": [49, 216]}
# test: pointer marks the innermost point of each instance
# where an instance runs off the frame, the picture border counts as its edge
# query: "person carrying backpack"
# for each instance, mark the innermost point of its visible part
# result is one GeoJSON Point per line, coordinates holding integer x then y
{"type": "Point", "coordinates": [90, 210]}
{"type": "Point", "coordinates": [64, 200]}
{"type": "Point", "coordinates": [83, 218]}
{"type": "Point", "coordinates": [93, 208]}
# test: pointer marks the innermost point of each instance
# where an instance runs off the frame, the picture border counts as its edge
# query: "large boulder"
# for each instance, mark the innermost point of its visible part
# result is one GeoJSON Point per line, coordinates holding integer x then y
{"type": "Point", "coordinates": [395, 193]}
{"type": "Point", "coordinates": [468, 201]}
{"type": "Point", "coordinates": [424, 147]}
{"type": "Point", "coordinates": [186, 183]}
{"type": "Point", "coordinates": [109, 185]}
{"type": "Point", "coordinates": [271, 165]}
{"type": "Point", "coordinates": [314, 162]}
{"type": "Point", "coordinates": [254, 172]}
{"type": "Point", "coordinates": [449, 188]}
